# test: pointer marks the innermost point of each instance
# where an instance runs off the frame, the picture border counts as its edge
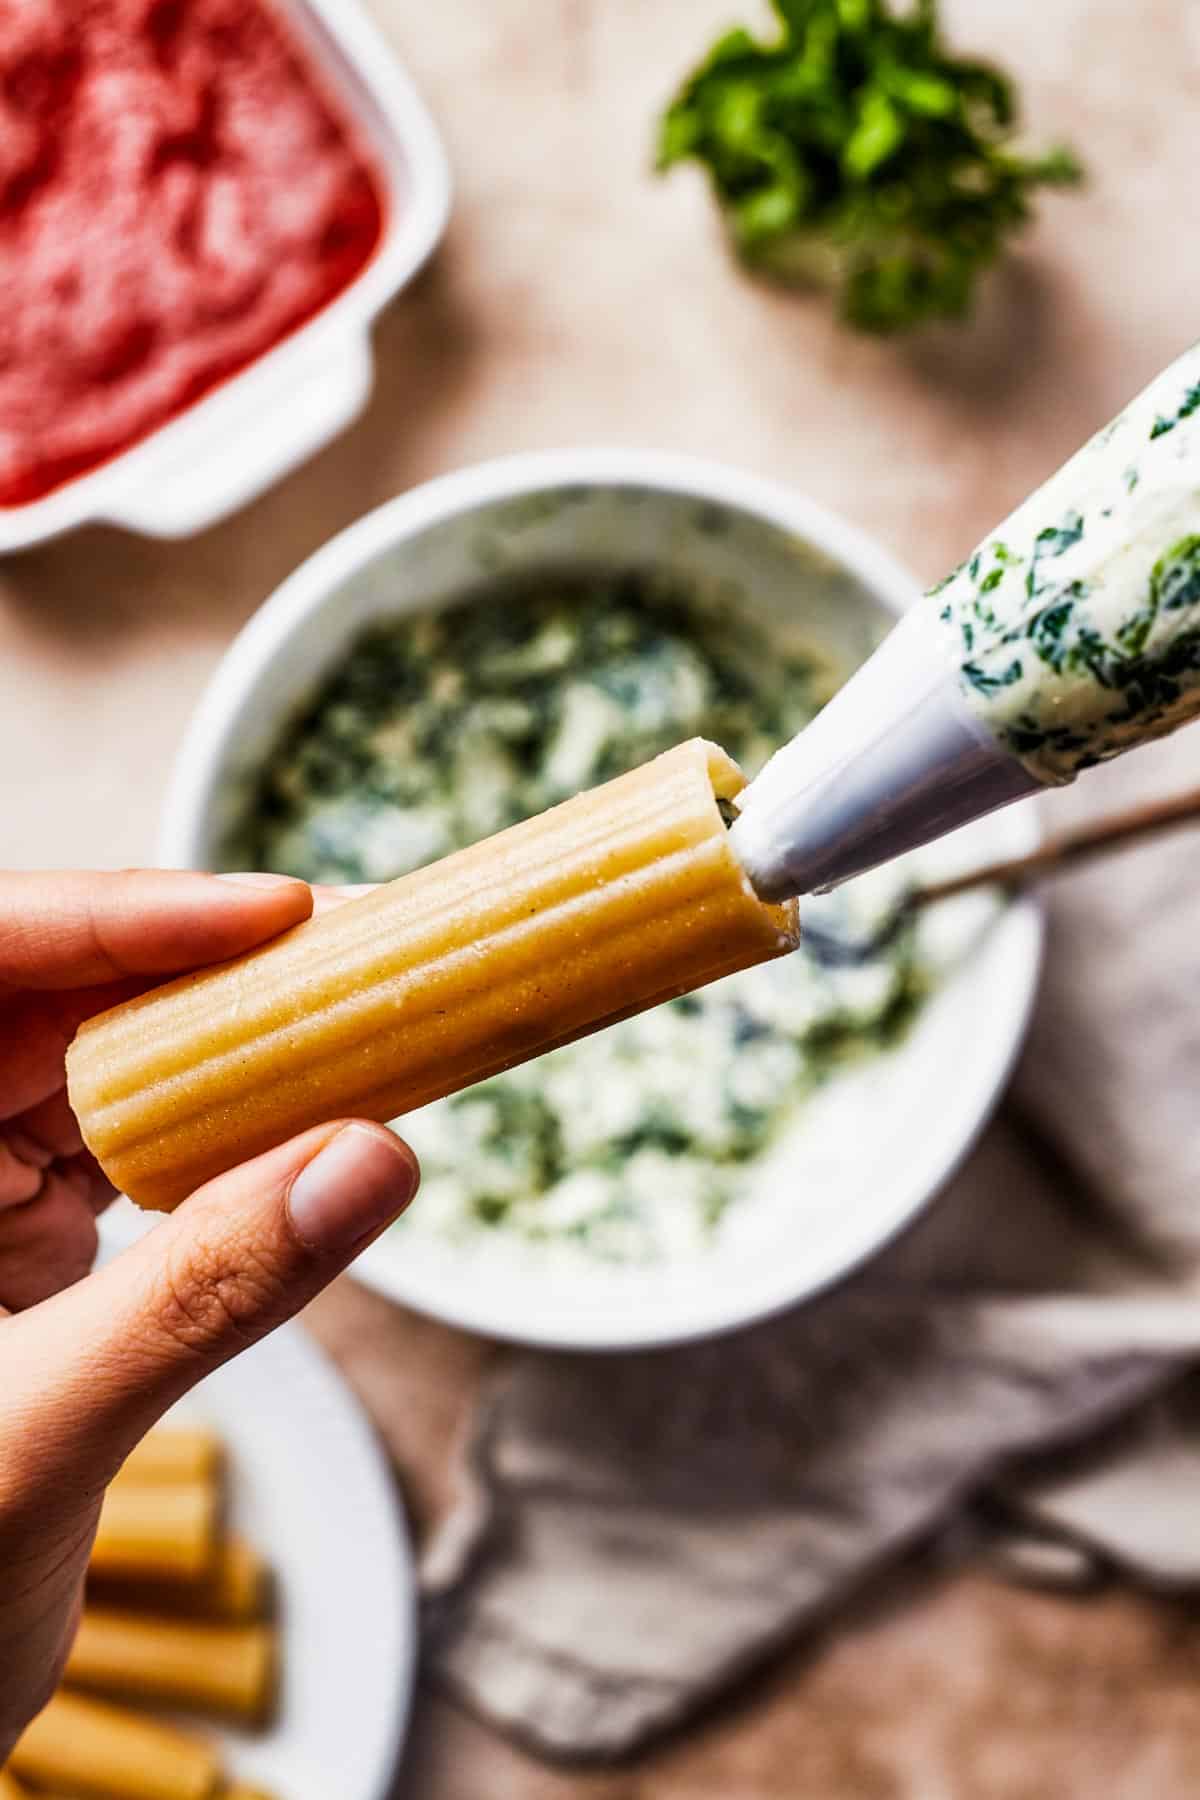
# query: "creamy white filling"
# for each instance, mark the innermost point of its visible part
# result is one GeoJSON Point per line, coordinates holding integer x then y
{"type": "Point", "coordinates": [1076, 624]}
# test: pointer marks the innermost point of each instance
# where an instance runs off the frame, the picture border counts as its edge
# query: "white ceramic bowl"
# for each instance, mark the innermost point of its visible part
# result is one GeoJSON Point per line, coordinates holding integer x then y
{"type": "Point", "coordinates": [290, 402]}
{"type": "Point", "coordinates": [866, 1154]}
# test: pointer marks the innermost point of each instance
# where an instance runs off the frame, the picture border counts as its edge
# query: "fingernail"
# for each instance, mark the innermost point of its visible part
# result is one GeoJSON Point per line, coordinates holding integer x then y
{"type": "Point", "coordinates": [252, 879]}
{"type": "Point", "coordinates": [355, 1185]}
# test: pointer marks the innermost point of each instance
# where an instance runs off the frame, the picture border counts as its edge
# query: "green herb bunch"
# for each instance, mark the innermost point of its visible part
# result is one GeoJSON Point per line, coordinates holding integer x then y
{"type": "Point", "coordinates": [855, 151]}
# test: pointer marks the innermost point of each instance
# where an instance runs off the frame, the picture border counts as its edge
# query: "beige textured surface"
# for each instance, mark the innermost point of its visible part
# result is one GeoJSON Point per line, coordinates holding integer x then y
{"type": "Point", "coordinates": [577, 300]}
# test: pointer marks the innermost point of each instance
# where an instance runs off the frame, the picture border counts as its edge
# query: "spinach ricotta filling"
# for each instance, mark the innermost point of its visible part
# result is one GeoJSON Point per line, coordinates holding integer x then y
{"type": "Point", "coordinates": [440, 728]}
{"type": "Point", "coordinates": [1076, 628]}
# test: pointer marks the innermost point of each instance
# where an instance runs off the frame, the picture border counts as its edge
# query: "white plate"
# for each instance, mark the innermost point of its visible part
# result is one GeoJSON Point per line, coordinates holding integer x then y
{"type": "Point", "coordinates": [861, 1162]}
{"type": "Point", "coordinates": [311, 1487]}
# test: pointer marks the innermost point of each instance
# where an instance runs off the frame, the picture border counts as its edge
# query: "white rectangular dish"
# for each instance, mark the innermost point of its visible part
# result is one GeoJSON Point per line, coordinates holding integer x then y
{"type": "Point", "coordinates": [287, 404]}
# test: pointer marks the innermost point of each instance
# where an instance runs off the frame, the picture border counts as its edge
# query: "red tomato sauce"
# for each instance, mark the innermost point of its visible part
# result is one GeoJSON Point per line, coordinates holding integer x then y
{"type": "Point", "coordinates": [177, 194]}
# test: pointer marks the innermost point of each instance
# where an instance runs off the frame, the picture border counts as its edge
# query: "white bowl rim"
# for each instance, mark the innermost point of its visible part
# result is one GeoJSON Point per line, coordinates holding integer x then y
{"type": "Point", "coordinates": [445, 496]}
{"type": "Point", "coordinates": [715, 1308]}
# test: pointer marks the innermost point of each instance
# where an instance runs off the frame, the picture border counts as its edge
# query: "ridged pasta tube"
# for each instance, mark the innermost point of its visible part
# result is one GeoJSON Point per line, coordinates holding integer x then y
{"type": "Point", "coordinates": [84, 1747]}
{"type": "Point", "coordinates": [173, 1454]}
{"type": "Point", "coordinates": [157, 1533]}
{"type": "Point", "coordinates": [227, 1670]}
{"type": "Point", "coordinates": [234, 1590]}
{"type": "Point", "coordinates": [603, 906]}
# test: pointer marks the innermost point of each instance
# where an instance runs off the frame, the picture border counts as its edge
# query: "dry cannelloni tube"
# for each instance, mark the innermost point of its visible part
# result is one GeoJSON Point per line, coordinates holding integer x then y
{"type": "Point", "coordinates": [228, 1670]}
{"type": "Point", "coordinates": [9, 1787]}
{"type": "Point", "coordinates": [176, 1454]}
{"type": "Point", "coordinates": [603, 906]}
{"type": "Point", "coordinates": [234, 1590]}
{"type": "Point", "coordinates": [238, 1588]}
{"type": "Point", "coordinates": [89, 1749]}
{"type": "Point", "coordinates": [158, 1533]}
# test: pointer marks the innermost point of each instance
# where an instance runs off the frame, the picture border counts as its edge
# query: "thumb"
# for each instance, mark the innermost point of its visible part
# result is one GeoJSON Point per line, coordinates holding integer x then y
{"type": "Point", "coordinates": [103, 1360]}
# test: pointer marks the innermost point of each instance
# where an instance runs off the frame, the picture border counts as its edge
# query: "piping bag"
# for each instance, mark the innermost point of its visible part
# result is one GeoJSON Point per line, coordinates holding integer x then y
{"type": "Point", "coordinates": [1070, 635]}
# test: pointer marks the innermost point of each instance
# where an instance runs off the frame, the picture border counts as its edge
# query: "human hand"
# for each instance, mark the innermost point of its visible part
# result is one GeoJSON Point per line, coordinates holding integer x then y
{"type": "Point", "coordinates": [88, 1362]}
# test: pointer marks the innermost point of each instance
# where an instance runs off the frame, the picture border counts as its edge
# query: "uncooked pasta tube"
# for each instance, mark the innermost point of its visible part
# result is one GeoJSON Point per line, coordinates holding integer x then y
{"type": "Point", "coordinates": [241, 1792]}
{"type": "Point", "coordinates": [9, 1788]}
{"type": "Point", "coordinates": [228, 1670]}
{"type": "Point", "coordinates": [239, 1588]}
{"type": "Point", "coordinates": [157, 1533]}
{"type": "Point", "coordinates": [605, 905]}
{"type": "Point", "coordinates": [235, 1591]}
{"type": "Point", "coordinates": [86, 1748]}
{"type": "Point", "coordinates": [174, 1454]}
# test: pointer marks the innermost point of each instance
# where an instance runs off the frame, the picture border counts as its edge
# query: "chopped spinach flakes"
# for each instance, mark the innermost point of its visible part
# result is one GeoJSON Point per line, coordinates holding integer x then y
{"type": "Point", "coordinates": [1187, 406]}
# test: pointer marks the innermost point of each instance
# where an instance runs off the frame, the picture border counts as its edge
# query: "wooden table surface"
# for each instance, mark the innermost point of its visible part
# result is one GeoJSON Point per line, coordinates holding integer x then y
{"type": "Point", "coordinates": [577, 299]}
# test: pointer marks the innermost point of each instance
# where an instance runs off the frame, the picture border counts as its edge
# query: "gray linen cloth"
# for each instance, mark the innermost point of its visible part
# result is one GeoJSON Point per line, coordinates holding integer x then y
{"type": "Point", "coordinates": [635, 1533]}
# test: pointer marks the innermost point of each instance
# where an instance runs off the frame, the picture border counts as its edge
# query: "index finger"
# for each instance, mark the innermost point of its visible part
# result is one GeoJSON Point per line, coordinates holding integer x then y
{"type": "Point", "coordinates": [67, 929]}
